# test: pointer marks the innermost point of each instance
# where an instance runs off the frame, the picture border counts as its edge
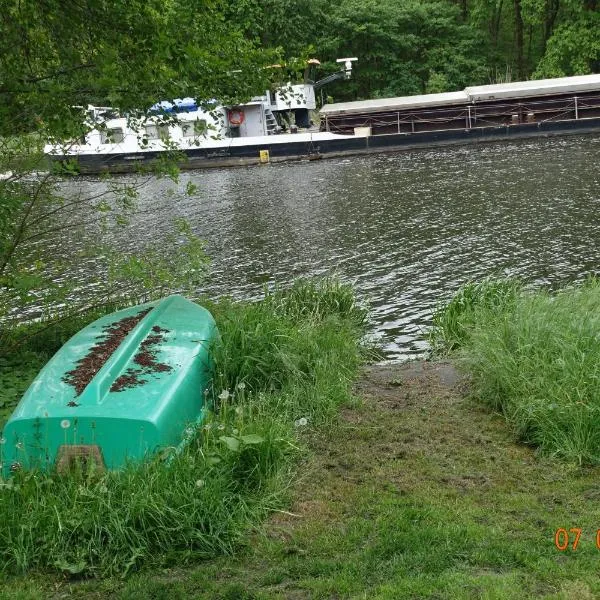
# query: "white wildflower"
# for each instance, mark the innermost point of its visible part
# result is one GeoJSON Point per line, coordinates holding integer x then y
{"type": "Point", "coordinates": [301, 422]}
{"type": "Point", "coordinates": [200, 483]}
{"type": "Point", "coordinates": [241, 386]}
{"type": "Point", "coordinates": [224, 395]}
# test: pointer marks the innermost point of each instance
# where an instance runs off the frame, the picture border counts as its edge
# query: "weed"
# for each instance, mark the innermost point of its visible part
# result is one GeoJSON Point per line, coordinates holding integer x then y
{"type": "Point", "coordinates": [534, 356]}
{"type": "Point", "coordinates": [452, 322]}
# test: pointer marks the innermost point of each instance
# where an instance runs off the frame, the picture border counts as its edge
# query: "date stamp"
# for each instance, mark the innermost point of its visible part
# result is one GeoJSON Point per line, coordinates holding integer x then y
{"type": "Point", "coordinates": [565, 539]}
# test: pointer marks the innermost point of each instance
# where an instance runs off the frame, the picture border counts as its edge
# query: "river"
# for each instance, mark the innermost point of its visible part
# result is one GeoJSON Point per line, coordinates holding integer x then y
{"type": "Point", "coordinates": [407, 229]}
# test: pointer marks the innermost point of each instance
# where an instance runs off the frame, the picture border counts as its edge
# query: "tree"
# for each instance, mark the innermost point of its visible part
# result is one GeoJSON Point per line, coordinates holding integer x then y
{"type": "Point", "coordinates": [401, 45]}
{"type": "Point", "coordinates": [56, 56]}
{"type": "Point", "coordinates": [573, 48]}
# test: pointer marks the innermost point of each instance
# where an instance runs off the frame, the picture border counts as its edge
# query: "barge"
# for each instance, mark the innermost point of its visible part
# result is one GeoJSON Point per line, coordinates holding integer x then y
{"type": "Point", "coordinates": [263, 130]}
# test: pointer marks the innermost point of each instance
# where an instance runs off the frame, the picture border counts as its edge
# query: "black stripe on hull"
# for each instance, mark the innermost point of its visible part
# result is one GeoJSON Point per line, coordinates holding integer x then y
{"type": "Point", "coordinates": [234, 156]}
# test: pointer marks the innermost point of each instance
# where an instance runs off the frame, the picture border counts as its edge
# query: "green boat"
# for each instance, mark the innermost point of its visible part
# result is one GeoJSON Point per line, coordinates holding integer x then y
{"type": "Point", "coordinates": [122, 388]}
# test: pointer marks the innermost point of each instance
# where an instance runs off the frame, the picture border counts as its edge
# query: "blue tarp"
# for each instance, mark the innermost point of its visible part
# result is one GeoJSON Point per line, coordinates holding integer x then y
{"type": "Point", "coordinates": [178, 105]}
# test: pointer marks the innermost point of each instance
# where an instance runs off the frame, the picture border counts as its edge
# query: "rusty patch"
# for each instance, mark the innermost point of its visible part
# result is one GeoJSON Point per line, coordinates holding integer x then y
{"type": "Point", "coordinates": [146, 360]}
{"type": "Point", "coordinates": [111, 337]}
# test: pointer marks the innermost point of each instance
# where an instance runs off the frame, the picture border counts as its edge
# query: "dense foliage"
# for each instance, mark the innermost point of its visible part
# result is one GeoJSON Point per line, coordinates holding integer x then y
{"type": "Point", "coordinates": [413, 46]}
{"type": "Point", "coordinates": [56, 55]}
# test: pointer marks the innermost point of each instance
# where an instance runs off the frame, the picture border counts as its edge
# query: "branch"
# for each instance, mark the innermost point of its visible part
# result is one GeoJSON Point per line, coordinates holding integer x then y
{"type": "Point", "coordinates": [41, 234]}
{"type": "Point", "coordinates": [18, 238]}
{"type": "Point", "coordinates": [58, 73]}
{"type": "Point", "coordinates": [80, 200]}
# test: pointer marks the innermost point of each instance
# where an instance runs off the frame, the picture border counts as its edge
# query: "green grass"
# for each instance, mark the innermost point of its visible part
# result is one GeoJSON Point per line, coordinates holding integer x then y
{"type": "Point", "coordinates": [296, 350]}
{"type": "Point", "coordinates": [452, 322]}
{"type": "Point", "coordinates": [534, 356]}
{"type": "Point", "coordinates": [417, 492]}
{"type": "Point", "coordinates": [279, 365]}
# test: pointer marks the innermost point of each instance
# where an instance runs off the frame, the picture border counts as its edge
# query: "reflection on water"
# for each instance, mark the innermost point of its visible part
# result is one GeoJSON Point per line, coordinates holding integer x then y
{"type": "Point", "coordinates": [407, 229]}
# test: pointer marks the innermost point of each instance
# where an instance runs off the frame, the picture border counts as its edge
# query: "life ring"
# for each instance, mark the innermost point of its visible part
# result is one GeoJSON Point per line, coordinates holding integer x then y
{"type": "Point", "coordinates": [236, 116]}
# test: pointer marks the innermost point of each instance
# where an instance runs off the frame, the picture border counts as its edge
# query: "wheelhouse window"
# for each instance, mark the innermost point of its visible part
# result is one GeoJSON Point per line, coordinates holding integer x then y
{"type": "Point", "coordinates": [151, 132]}
{"type": "Point", "coordinates": [157, 131]}
{"type": "Point", "coordinates": [112, 136]}
{"type": "Point", "coordinates": [193, 128]}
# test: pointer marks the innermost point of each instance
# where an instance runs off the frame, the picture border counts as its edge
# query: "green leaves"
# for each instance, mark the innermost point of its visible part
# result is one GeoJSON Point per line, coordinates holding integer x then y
{"type": "Point", "coordinates": [251, 438]}
{"type": "Point", "coordinates": [127, 56]}
{"type": "Point", "coordinates": [574, 48]}
{"type": "Point", "coordinates": [235, 444]}
{"type": "Point", "coordinates": [231, 442]}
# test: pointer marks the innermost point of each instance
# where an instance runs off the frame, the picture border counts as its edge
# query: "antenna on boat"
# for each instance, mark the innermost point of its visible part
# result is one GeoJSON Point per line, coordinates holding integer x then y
{"type": "Point", "coordinates": [344, 73]}
{"type": "Point", "coordinates": [347, 65]}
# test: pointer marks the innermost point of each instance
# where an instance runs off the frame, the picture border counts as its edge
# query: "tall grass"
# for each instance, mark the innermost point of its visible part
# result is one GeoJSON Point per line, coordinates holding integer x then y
{"type": "Point", "coordinates": [535, 356]}
{"type": "Point", "coordinates": [453, 322]}
{"type": "Point", "coordinates": [282, 362]}
{"type": "Point", "coordinates": [296, 350]}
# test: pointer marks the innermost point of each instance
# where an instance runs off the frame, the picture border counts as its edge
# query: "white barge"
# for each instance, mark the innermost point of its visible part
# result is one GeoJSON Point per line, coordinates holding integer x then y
{"type": "Point", "coordinates": [264, 130]}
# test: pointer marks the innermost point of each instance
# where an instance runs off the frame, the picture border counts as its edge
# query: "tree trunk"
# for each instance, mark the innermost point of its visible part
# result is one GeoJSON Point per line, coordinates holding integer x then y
{"type": "Point", "coordinates": [552, 7]}
{"type": "Point", "coordinates": [495, 25]}
{"type": "Point", "coordinates": [519, 39]}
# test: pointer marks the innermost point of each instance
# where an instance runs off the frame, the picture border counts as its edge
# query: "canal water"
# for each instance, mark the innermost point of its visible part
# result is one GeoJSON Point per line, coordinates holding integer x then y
{"type": "Point", "coordinates": [407, 229]}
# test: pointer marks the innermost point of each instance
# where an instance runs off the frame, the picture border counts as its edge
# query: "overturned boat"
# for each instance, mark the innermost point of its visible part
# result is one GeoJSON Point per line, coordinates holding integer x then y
{"type": "Point", "coordinates": [122, 388]}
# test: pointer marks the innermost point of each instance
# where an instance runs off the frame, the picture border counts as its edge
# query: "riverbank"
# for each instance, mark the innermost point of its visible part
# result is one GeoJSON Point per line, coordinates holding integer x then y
{"type": "Point", "coordinates": [408, 486]}
{"type": "Point", "coordinates": [283, 364]}
{"type": "Point", "coordinates": [416, 492]}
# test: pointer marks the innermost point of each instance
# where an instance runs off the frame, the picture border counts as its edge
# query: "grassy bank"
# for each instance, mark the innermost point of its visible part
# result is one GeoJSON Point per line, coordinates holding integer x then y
{"type": "Point", "coordinates": [535, 356]}
{"type": "Point", "coordinates": [284, 364]}
{"type": "Point", "coordinates": [416, 492]}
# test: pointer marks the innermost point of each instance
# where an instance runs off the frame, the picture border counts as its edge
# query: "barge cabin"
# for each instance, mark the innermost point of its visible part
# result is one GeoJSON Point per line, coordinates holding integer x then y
{"type": "Point", "coordinates": [477, 107]}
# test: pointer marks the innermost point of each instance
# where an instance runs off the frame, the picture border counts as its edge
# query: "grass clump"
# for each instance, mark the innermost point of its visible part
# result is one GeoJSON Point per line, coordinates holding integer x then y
{"type": "Point", "coordinates": [279, 365]}
{"type": "Point", "coordinates": [535, 356]}
{"type": "Point", "coordinates": [296, 351]}
{"type": "Point", "coordinates": [453, 321]}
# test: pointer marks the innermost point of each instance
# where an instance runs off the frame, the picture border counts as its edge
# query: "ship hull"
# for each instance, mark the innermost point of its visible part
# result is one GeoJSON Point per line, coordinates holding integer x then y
{"type": "Point", "coordinates": [254, 153]}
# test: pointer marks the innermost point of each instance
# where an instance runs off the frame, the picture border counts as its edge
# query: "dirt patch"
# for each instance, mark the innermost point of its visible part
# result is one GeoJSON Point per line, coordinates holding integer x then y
{"type": "Point", "coordinates": [397, 386]}
{"type": "Point", "coordinates": [146, 359]}
{"type": "Point", "coordinates": [109, 340]}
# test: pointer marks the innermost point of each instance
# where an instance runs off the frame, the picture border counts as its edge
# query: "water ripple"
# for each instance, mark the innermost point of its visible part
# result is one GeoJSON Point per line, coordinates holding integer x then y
{"type": "Point", "coordinates": [407, 229]}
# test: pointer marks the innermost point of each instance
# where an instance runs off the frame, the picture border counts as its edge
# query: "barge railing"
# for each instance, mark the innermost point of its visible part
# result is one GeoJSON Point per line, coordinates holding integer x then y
{"type": "Point", "coordinates": [473, 115]}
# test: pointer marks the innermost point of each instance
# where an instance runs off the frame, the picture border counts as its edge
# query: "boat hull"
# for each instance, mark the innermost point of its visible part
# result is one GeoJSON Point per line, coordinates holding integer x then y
{"type": "Point", "coordinates": [253, 154]}
{"type": "Point", "coordinates": [124, 387]}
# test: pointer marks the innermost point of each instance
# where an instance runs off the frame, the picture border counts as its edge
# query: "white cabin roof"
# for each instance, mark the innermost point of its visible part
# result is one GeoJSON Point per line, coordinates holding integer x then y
{"type": "Point", "coordinates": [517, 89]}
{"type": "Point", "coordinates": [539, 87]}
